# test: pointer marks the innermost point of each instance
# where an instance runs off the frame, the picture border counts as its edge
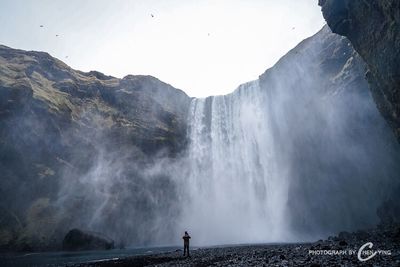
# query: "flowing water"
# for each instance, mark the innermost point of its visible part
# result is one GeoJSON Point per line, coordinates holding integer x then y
{"type": "Point", "coordinates": [236, 190]}
{"type": "Point", "coordinates": [64, 258]}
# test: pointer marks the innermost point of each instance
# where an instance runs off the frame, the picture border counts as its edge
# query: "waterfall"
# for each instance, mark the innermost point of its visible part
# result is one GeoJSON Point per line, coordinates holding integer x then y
{"type": "Point", "coordinates": [294, 156]}
{"type": "Point", "coordinates": [297, 155]}
{"type": "Point", "coordinates": [236, 191]}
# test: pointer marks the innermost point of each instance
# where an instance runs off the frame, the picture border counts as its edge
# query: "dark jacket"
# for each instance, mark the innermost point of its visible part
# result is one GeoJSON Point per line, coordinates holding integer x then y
{"type": "Point", "coordinates": [186, 238]}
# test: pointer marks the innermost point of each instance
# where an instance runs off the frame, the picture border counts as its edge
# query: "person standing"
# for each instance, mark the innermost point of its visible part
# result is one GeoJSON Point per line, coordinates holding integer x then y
{"type": "Point", "coordinates": [186, 238]}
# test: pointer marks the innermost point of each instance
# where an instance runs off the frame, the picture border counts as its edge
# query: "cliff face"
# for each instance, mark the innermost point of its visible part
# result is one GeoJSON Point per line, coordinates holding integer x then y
{"type": "Point", "coordinates": [373, 27]}
{"type": "Point", "coordinates": [58, 125]}
{"type": "Point", "coordinates": [150, 112]}
{"type": "Point", "coordinates": [329, 137]}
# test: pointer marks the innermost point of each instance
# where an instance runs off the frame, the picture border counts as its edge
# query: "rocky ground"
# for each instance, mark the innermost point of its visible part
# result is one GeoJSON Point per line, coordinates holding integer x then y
{"type": "Point", "coordinates": [386, 240]}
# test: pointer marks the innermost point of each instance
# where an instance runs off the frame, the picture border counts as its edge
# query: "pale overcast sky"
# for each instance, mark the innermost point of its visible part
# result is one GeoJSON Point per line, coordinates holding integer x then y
{"type": "Point", "coordinates": [205, 47]}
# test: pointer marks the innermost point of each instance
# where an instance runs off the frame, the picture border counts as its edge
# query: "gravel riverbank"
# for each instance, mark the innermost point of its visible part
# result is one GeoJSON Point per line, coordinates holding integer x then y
{"type": "Point", "coordinates": [340, 250]}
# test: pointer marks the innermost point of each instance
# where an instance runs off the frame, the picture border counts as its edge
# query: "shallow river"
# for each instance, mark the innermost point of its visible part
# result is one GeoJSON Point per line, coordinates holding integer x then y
{"type": "Point", "coordinates": [64, 258]}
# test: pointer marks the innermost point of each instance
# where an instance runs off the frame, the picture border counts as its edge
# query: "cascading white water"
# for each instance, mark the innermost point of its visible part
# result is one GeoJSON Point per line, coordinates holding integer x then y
{"type": "Point", "coordinates": [236, 192]}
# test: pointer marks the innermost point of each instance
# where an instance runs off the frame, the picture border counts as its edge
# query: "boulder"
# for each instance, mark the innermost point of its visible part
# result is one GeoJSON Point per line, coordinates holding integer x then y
{"type": "Point", "coordinates": [77, 239]}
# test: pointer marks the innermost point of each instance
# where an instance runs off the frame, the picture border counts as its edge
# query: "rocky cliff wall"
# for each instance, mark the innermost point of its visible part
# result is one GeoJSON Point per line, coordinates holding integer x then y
{"type": "Point", "coordinates": [66, 135]}
{"type": "Point", "coordinates": [373, 28]}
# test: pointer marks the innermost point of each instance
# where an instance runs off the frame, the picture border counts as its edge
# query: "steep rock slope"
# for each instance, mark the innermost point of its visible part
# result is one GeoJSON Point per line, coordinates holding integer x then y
{"type": "Point", "coordinates": [57, 123]}
{"type": "Point", "coordinates": [373, 27]}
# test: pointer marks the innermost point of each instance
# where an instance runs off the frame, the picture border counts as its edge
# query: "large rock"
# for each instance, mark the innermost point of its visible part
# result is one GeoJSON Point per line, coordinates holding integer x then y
{"type": "Point", "coordinates": [80, 240]}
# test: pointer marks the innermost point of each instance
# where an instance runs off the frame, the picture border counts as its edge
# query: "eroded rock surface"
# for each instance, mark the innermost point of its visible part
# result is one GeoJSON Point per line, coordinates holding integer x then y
{"type": "Point", "coordinates": [373, 27]}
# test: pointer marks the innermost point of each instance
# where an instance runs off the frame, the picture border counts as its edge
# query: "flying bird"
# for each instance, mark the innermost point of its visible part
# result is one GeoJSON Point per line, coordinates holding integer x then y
{"type": "Point", "coordinates": [41, 26]}
{"type": "Point", "coordinates": [152, 15]}
{"type": "Point", "coordinates": [56, 35]}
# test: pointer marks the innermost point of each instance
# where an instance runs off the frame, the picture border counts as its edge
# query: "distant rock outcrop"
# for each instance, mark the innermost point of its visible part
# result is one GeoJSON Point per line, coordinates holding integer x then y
{"type": "Point", "coordinates": [81, 240]}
